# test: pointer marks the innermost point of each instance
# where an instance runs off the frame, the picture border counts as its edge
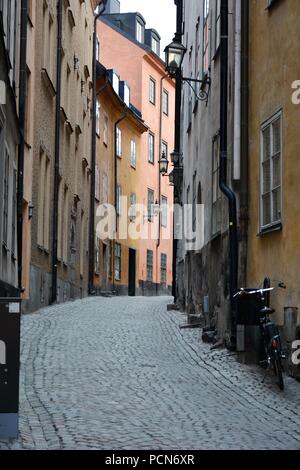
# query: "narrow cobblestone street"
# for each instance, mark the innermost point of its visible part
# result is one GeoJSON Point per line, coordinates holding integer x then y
{"type": "Point", "coordinates": [118, 373]}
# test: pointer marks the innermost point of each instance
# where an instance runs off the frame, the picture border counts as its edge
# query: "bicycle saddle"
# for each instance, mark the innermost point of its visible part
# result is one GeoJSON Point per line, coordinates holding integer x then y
{"type": "Point", "coordinates": [267, 311]}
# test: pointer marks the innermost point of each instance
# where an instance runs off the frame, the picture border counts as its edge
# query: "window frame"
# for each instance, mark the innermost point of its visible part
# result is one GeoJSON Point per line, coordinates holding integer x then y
{"type": "Point", "coordinates": [216, 195]}
{"type": "Point", "coordinates": [133, 154]}
{"type": "Point", "coordinates": [105, 129]}
{"type": "Point", "coordinates": [152, 91]}
{"type": "Point", "coordinates": [164, 211]}
{"type": "Point", "coordinates": [165, 102]}
{"type": "Point", "coordinates": [150, 263]}
{"type": "Point", "coordinates": [118, 256]}
{"type": "Point", "coordinates": [163, 268]}
{"type": "Point", "coordinates": [150, 205]}
{"type": "Point", "coordinates": [151, 155]}
{"type": "Point", "coordinates": [119, 142]}
{"type": "Point", "coordinates": [269, 124]}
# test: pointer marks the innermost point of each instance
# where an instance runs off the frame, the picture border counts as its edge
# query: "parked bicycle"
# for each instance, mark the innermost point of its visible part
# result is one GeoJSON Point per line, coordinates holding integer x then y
{"type": "Point", "coordinates": [269, 331]}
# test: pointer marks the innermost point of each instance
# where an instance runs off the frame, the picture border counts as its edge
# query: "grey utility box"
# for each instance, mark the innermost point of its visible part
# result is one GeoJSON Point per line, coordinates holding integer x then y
{"type": "Point", "coordinates": [10, 317]}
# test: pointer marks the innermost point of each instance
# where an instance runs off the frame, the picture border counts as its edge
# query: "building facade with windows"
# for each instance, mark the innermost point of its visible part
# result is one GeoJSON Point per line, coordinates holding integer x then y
{"type": "Point", "coordinates": [118, 172]}
{"type": "Point", "coordinates": [9, 140]}
{"type": "Point", "coordinates": [73, 154]}
{"type": "Point", "coordinates": [274, 140]}
{"type": "Point", "coordinates": [132, 49]}
{"type": "Point", "coordinates": [203, 274]}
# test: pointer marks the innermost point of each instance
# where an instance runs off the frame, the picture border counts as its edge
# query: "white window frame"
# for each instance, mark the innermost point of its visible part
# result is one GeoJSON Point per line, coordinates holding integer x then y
{"type": "Point", "coordinates": [163, 268]}
{"type": "Point", "coordinates": [152, 91]}
{"type": "Point", "coordinates": [118, 266]}
{"type": "Point", "coordinates": [119, 142]}
{"type": "Point", "coordinates": [150, 264]}
{"type": "Point", "coordinates": [139, 32]}
{"type": "Point", "coordinates": [151, 149]}
{"type": "Point", "coordinates": [132, 210]}
{"type": "Point", "coordinates": [98, 107]}
{"type": "Point", "coordinates": [166, 102]}
{"type": "Point", "coordinates": [269, 123]}
{"type": "Point", "coordinates": [119, 195]}
{"type": "Point", "coordinates": [105, 129]}
{"type": "Point", "coordinates": [164, 211]}
{"type": "Point", "coordinates": [133, 153]}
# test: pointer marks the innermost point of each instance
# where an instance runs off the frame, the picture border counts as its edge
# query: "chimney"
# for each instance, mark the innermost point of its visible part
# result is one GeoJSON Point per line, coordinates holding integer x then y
{"type": "Point", "coordinates": [112, 7]}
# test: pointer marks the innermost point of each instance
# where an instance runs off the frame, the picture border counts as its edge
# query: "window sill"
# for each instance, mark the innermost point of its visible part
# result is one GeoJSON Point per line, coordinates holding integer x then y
{"type": "Point", "coordinates": [5, 247]}
{"type": "Point", "coordinates": [277, 227]}
{"type": "Point", "coordinates": [215, 236]}
{"type": "Point", "coordinates": [133, 167]}
{"type": "Point", "coordinates": [151, 163]}
{"type": "Point", "coordinates": [105, 143]}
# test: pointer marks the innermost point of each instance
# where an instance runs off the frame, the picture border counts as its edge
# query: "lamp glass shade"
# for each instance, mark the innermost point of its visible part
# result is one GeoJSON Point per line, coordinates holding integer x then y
{"type": "Point", "coordinates": [163, 164]}
{"type": "Point", "coordinates": [174, 56]}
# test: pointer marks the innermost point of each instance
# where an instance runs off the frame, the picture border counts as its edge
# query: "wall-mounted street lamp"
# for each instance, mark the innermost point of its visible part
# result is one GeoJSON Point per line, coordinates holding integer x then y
{"type": "Point", "coordinates": [174, 57]}
{"type": "Point", "coordinates": [163, 164]}
{"type": "Point", "coordinates": [30, 210]}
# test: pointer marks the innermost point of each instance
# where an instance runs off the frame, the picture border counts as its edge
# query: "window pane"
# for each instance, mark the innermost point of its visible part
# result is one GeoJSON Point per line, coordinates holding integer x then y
{"type": "Point", "coordinates": [276, 136]}
{"type": "Point", "coordinates": [276, 171]}
{"type": "Point", "coordinates": [266, 208]}
{"type": "Point", "coordinates": [266, 144]}
{"type": "Point", "coordinates": [266, 176]}
{"type": "Point", "coordinates": [276, 204]}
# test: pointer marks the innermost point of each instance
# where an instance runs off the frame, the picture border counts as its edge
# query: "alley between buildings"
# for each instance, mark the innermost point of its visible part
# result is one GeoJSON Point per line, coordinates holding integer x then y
{"type": "Point", "coordinates": [119, 373]}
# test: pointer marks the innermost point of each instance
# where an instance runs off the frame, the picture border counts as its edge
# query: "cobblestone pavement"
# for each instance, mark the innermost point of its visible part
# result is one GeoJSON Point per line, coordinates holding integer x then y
{"type": "Point", "coordinates": [119, 374]}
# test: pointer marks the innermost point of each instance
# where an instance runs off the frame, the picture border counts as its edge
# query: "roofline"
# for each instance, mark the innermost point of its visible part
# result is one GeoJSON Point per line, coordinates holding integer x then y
{"type": "Point", "coordinates": [131, 39]}
{"type": "Point", "coordinates": [138, 121]}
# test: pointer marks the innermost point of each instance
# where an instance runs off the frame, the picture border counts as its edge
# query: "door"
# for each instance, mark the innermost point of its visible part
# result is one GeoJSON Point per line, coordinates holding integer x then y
{"type": "Point", "coordinates": [104, 267]}
{"type": "Point", "coordinates": [132, 273]}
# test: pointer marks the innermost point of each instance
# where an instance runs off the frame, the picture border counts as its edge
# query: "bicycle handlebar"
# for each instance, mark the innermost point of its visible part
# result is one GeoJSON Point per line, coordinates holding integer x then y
{"type": "Point", "coordinates": [251, 292]}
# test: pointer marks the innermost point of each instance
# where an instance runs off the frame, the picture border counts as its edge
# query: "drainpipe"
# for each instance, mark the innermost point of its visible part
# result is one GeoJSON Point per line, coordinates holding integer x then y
{"type": "Point", "coordinates": [123, 116]}
{"type": "Point", "coordinates": [21, 149]}
{"type": "Point", "coordinates": [93, 157]}
{"type": "Point", "coordinates": [237, 91]}
{"type": "Point", "coordinates": [177, 146]}
{"type": "Point", "coordinates": [230, 195]}
{"type": "Point", "coordinates": [57, 153]}
{"type": "Point", "coordinates": [159, 175]}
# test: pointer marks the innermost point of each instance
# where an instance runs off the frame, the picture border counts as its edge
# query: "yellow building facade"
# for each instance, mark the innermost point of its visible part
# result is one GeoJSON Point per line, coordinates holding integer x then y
{"type": "Point", "coordinates": [274, 142]}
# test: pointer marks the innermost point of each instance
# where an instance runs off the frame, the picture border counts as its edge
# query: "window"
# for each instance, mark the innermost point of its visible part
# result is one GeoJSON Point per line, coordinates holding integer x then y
{"type": "Point", "coordinates": [194, 203]}
{"type": "Point", "coordinates": [151, 149]}
{"type": "Point", "coordinates": [133, 154]}
{"type": "Point", "coordinates": [118, 262]}
{"type": "Point", "coordinates": [149, 265]}
{"type": "Point", "coordinates": [14, 213]}
{"type": "Point", "coordinates": [163, 268]}
{"type": "Point", "coordinates": [139, 32]}
{"type": "Point", "coordinates": [150, 205]}
{"type": "Point", "coordinates": [104, 188]}
{"type": "Point", "coordinates": [5, 198]}
{"type": "Point", "coordinates": [155, 45]}
{"type": "Point", "coordinates": [216, 193]}
{"type": "Point", "coordinates": [165, 102]}
{"type": "Point", "coordinates": [97, 49]}
{"type": "Point", "coordinates": [97, 257]}
{"type": "Point", "coordinates": [60, 219]}
{"type": "Point", "coordinates": [98, 118]}
{"type": "Point", "coordinates": [271, 172]}
{"type": "Point", "coordinates": [164, 148]}
{"type": "Point", "coordinates": [132, 207]}
{"type": "Point", "coordinates": [119, 143]}
{"type": "Point", "coordinates": [66, 225]}
{"type": "Point", "coordinates": [44, 202]}
{"type": "Point", "coordinates": [218, 25]}
{"type": "Point", "coordinates": [206, 37]}
{"type": "Point", "coordinates": [126, 94]}
{"type": "Point", "coordinates": [105, 131]}
{"type": "Point", "coordinates": [152, 91]}
{"type": "Point", "coordinates": [97, 183]}
{"type": "Point", "coordinates": [115, 82]}
{"type": "Point", "coordinates": [164, 211]}
{"type": "Point", "coordinates": [119, 195]}
{"type": "Point", "coordinates": [82, 243]}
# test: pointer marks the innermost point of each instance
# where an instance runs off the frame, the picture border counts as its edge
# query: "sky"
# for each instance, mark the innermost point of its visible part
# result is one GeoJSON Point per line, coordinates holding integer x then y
{"type": "Point", "coordinates": [159, 14]}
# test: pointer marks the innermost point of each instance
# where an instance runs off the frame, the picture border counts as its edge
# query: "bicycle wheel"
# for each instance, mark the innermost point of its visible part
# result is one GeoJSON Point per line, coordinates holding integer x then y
{"type": "Point", "coordinates": [278, 373]}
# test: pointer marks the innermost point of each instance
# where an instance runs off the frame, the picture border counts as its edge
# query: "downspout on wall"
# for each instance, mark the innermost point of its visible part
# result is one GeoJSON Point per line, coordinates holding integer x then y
{"type": "Point", "coordinates": [57, 152]}
{"type": "Point", "coordinates": [237, 91]}
{"type": "Point", "coordinates": [227, 191]}
{"type": "Point", "coordinates": [177, 143]}
{"type": "Point", "coordinates": [21, 149]}
{"type": "Point", "coordinates": [123, 116]}
{"type": "Point", "coordinates": [91, 289]}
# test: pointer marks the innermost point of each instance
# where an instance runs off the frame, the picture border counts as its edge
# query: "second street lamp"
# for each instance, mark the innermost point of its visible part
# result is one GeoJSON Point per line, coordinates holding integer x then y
{"type": "Point", "coordinates": [163, 164]}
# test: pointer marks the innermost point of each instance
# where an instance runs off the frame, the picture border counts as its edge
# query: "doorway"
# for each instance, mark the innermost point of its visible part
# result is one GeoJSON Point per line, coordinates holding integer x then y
{"type": "Point", "coordinates": [104, 267]}
{"type": "Point", "coordinates": [132, 273]}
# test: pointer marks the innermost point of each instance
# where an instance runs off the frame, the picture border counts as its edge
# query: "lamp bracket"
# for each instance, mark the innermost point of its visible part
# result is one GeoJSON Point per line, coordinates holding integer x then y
{"type": "Point", "coordinates": [201, 95]}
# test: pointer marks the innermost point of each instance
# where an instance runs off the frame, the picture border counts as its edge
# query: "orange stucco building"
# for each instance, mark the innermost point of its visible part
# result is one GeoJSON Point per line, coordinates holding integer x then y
{"type": "Point", "coordinates": [134, 56]}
